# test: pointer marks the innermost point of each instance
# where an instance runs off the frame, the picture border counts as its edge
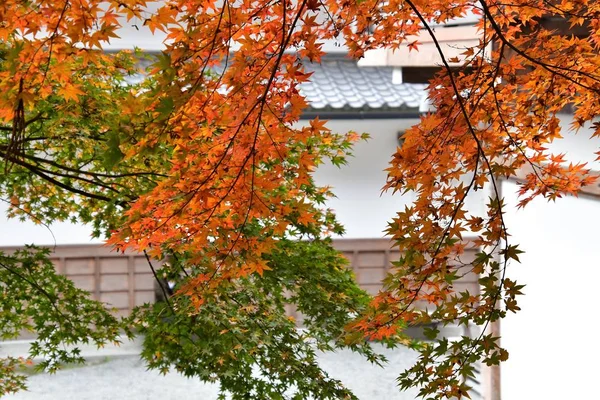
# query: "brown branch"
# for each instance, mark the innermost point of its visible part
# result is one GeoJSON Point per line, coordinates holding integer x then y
{"type": "Point", "coordinates": [42, 175]}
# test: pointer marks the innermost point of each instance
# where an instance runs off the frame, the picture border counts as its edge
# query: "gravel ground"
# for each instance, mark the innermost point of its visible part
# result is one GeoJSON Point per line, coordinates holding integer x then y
{"type": "Point", "coordinates": [127, 378]}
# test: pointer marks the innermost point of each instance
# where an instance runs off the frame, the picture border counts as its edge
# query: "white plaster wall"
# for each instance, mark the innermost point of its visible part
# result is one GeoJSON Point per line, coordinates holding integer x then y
{"type": "Point", "coordinates": [552, 340]}
{"type": "Point", "coordinates": [360, 205]}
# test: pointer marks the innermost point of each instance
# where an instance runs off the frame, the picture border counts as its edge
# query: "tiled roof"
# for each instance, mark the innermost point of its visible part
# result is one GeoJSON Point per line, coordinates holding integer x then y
{"type": "Point", "coordinates": [338, 85]}
{"type": "Point", "coordinates": [341, 85]}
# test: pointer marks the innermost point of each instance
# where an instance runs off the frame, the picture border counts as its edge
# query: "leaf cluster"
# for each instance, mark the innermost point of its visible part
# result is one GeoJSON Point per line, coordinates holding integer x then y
{"type": "Point", "coordinates": [242, 337]}
{"type": "Point", "coordinates": [34, 298]}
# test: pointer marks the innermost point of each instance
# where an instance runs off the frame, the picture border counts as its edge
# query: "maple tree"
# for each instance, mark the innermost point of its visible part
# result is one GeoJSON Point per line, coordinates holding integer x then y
{"type": "Point", "coordinates": [203, 163]}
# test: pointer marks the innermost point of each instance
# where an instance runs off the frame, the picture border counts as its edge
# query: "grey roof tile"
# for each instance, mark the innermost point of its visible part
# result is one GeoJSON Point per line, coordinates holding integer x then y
{"type": "Point", "coordinates": [341, 83]}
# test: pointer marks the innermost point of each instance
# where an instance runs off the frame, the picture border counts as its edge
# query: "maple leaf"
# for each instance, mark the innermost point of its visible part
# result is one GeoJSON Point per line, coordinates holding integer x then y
{"type": "Point", "coordinates": [70, 92]}
{"type": "Point", "coordinates": [414, 45]}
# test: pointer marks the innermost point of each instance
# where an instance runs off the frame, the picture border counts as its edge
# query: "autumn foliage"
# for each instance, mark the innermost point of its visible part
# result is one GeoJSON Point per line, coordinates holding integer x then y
{"type": "Point", "coordinates": [203, 163]}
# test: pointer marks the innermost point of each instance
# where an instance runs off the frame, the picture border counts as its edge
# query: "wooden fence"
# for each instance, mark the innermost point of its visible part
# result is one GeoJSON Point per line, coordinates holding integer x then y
{"type": "Point", "coordinates": [125, 280]}
{"type": "Point", "coordinates": [122, 280]}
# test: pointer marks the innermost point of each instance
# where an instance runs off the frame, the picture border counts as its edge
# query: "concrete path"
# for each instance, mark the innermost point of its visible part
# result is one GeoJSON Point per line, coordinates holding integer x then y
{"type": "Point", "coordinates": [118, 373]}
